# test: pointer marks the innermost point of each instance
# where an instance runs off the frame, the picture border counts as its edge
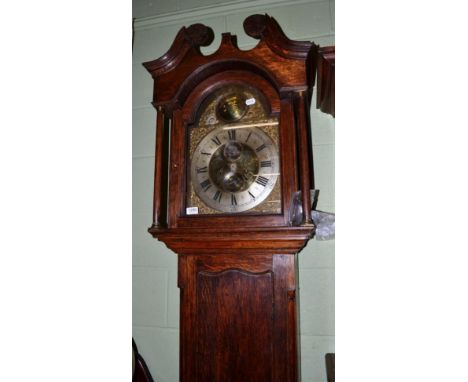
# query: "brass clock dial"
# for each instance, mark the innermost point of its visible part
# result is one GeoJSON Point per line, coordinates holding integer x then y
{"type": "Point", "coordinates": [232, 107]}
{"type": "Point", "coordinates": [234, 161]}
{"type": "Point", "coordinates": [234, 169]}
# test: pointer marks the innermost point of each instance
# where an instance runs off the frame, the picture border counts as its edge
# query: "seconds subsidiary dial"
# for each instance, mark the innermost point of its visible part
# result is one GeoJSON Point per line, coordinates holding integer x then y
{"type": "Point", "coordinates": [234, 168]}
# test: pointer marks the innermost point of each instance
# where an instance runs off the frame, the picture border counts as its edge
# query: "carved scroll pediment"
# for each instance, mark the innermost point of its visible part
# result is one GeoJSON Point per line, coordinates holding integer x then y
{"type": "Point", "coordinates": [283, 62]}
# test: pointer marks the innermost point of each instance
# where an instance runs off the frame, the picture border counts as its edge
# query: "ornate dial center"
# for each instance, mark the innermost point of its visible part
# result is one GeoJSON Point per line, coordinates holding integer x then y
{"type": "Point", "coordinates": [233, 167]}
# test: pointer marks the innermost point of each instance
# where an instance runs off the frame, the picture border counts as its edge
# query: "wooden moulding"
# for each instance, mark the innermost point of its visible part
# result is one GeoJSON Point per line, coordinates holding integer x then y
{"type": "Point", "coordinates": [284, 71]}
{"type": "Point", "coordinates": [277, 58]}
{"type": "Point", "coordinates": [158, 170]}
{"type": "Point", "coordinates": [326, 80]}
{"type": "Point", "coordinates": [285, 240]}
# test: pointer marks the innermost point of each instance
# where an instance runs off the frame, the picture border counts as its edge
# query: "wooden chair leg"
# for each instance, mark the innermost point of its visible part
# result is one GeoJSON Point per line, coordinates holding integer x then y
{"type": "Point", "coordinates": [330, 366]}
{"type": "Point", "coordinates": [141, 372]}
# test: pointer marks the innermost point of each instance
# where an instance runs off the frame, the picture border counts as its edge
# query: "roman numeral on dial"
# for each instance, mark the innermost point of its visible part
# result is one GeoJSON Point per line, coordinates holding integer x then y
{"type": "Point", "coordinates": [206, 184]}
{"type": "Point", "coordinates": [260, 148]}
{"type": "Point", "coordinates": [233, 200]}
{"type": "Point", "coordinates": [232, 134]}
{"type": "Point", "coordinates": [262, 181]}
{"type": "Point", "coordinates": [217, 196]}
{"type": "Point", "coordinates": [265, 163]}
{"type": "Point", "coordinates": [201, 170]}
{"type": "Point", "coordinates": [216, 140]}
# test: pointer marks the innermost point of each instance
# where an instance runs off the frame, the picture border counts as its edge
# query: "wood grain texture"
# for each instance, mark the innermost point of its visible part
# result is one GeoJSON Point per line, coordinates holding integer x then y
{"type": "Point", "coordinates": [278, 68]}
{"type": "Point", "coordinates": [235, 316]}
{"type": "Point", "coordinates": [236, 272]}
{"type": "Point", "coordinates": [326, 80]}
{"type": "Point", "coordinates": [261, 241]}
{"type": "Point", "coordinates": [276, 58]}
{"type": "Point", "coordinates": [304, 165]}
{"type": "Point", "coordinates": [158, 170]}
{"type": "Point", "coordinates": [238, 318]}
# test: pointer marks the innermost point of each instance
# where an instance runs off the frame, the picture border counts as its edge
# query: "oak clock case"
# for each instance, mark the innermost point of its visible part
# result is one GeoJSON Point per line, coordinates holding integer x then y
{"type": "Point", "coordinates": [232, 150]}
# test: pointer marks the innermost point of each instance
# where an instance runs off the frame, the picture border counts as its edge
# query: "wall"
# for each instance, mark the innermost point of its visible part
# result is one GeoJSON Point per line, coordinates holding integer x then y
{"type": "Point", "coordinates": [155, 293]}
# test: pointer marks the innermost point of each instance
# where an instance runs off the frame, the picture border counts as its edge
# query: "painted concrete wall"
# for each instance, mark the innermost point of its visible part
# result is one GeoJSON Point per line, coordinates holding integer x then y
{"type": "Point", "coordinates": [155, 293]}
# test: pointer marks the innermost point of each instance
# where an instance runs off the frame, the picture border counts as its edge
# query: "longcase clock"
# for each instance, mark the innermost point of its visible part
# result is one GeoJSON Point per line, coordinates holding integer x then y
{"type": "Point", "coordinates": [233, 150]}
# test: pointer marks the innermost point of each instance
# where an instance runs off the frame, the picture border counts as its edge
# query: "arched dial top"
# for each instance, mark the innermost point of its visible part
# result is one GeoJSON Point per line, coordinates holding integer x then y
{"type": "Point", "coordinates": [234, 157]}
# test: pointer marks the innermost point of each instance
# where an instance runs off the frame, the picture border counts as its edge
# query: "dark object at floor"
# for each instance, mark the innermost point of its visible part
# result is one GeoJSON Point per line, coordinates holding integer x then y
{"type": "Point", "coordinates": [330, 365]}
{"type": "Point", "coordinates": [141, 372]}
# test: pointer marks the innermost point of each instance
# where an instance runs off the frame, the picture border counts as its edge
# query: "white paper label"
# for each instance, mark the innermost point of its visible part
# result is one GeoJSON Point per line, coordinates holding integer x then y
{"type": "Point", "coordinates": [191, 210]}
{"type": "Point", "coordinates": [250, 101]}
